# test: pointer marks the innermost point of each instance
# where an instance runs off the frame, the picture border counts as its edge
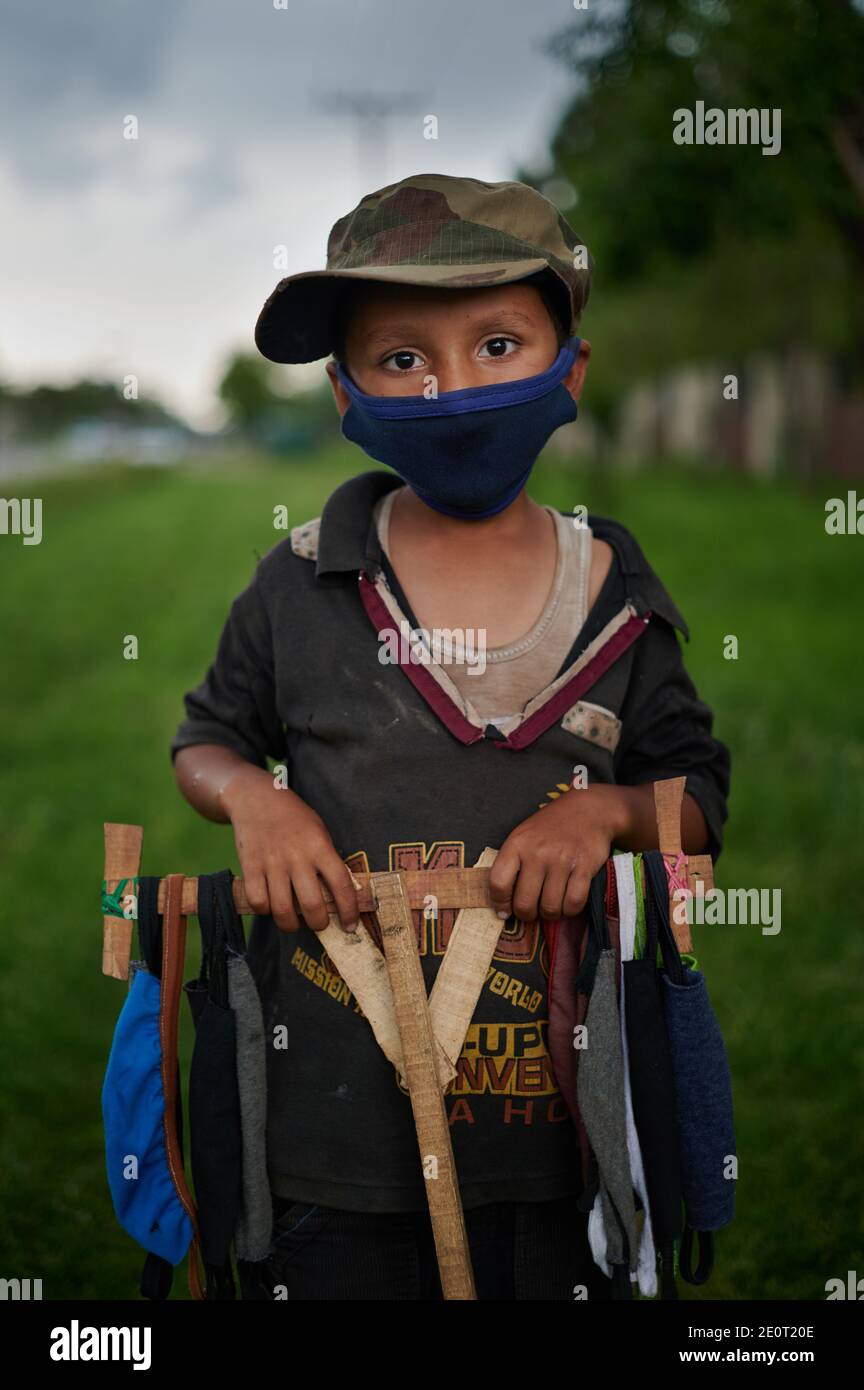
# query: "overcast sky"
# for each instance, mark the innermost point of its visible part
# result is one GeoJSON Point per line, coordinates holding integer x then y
{"type": "Point", "coordinates": [153, 256]}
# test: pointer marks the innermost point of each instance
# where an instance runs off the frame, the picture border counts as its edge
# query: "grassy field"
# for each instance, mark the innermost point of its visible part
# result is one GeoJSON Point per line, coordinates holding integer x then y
{"type": "Point", "coordinates": [85, 735]}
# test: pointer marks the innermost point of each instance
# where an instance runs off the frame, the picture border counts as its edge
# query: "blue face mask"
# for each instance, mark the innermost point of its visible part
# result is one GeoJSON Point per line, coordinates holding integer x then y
{"type": "Point", "coordinates": [468, 453]}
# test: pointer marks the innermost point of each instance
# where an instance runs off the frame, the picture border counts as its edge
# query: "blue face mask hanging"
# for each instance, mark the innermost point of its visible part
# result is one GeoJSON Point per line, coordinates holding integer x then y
{"type": "Point", "coordinates": [467, 453]}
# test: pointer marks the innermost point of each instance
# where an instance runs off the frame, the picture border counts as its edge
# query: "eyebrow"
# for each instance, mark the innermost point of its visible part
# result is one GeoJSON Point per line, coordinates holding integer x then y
{"type": "Point", "coordinates": [408, 328]}
{"type": "Point", "coordinates": [393, 330]}
{"type": "Point", "coordinates": [504, 316]}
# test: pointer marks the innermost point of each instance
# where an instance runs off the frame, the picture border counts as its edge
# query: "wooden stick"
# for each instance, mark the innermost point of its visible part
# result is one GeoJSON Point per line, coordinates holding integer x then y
{"type": "Point", "coordinates": [668, 804]}
{"type": "Point", "coordinates": [456, 888]}
{"type": "Point", "coordinates": [122, 860]}
{"type": "Point", "coordinates": [463, 971]}
{"type": "Point", "coordinates": [698, 873]}
{"type": "Point", "coordinates": [668, 801]}
{"type": "Point", "coordinates": [427, 1100]}
{"type": "Point", "coordinates": [364, 970]}
{"type": "Point", "coordinates": [452, 887]}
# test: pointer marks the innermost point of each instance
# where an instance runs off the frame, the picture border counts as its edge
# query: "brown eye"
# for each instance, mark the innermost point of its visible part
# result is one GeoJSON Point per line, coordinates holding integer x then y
{"type": "Point", "coordinates": [403, 360]}
{"type": "Point", "coordinates": [498, 347]}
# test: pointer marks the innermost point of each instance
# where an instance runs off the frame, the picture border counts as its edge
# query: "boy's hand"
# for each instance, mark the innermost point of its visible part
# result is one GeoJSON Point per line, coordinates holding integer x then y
{"type": "Point", "coordinates": [545, 866]}
{"type": "Point", "coordinates": [284, 846]}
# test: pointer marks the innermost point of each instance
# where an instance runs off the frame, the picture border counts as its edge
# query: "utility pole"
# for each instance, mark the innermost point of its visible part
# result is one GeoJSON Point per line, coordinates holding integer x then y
{"type": "Point", "coordinates": [371, 112]}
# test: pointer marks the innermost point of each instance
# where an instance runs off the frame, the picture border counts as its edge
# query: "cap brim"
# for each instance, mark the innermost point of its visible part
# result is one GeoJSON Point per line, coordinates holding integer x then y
{"type": "Point", "coordinates": [297, 322]}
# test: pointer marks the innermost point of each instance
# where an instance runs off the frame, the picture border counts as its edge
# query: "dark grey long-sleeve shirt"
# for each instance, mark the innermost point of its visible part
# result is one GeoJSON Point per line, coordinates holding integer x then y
{"type": "Point", "coordinates": [404, 777]}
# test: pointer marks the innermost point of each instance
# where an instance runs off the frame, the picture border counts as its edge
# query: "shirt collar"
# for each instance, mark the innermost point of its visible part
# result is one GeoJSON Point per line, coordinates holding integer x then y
{"type": "Point", "coordinates": [348, 536]}
{"type": "Point", "coordinates": [644, 588]}
{"type": "Point", "coordinates": [348, 540]}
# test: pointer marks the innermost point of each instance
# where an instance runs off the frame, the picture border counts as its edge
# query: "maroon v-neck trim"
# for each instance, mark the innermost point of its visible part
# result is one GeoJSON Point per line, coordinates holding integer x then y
{"type": "Point", "coordinates": [558, 704]}
{"type": "Point", "coordinates": [449, 712]}
{"type": "Point", "coordinates": [446, 709]}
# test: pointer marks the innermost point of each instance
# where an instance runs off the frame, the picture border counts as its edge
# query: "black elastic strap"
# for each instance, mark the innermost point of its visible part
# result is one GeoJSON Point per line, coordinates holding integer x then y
{"type": "Point", "coordinates": [150, 924]}
{"type": "Point", "coordinates": [157, 1277]}
{"type": "Point", "coordinates": [706, 1256]}
{"type": "Point", "coordinates": [585, 1201]}
{"type": "Point", "coordinates": [232, 923]}
{"type": "Point", "coordinates": [220, 1283]}
{"type": "Point", "coordinates": [658, 882]}
{"type": "Point", "coordinates": [214, 967]}
{"type": "Point", "coordinates": [668, 1287]}
{"type": "Point", "coordinates": [598, 932]}
{"type": "Point", "coordinates": [221, 927]}
{"type": "Point", "coordinates": [652, 927]}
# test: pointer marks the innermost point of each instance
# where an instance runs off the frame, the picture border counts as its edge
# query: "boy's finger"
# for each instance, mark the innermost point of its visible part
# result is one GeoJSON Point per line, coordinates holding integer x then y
{"type": "Point", "coordinates": [552, 895]}
{"type": "Point", "coordinates": [255, 885]}
{"type": "Point", "coordinates": [282, 908]}
{"type": "Point", "coordinates": [576, 893]}
{"type": "Point", "coordinates": [307, 888]}
{"type": "Point", "coordinates": [502, 877]}
{"type": "Point", "coordinates": [526, 894]}
{"type": "Point", "coordinates": [341, 885]}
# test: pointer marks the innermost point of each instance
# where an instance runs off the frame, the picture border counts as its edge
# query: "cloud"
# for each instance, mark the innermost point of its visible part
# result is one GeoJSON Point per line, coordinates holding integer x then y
{"type": "Point", "coordinates": [154, 255]}
{"type": "Point", "coordinates": [66, 70]}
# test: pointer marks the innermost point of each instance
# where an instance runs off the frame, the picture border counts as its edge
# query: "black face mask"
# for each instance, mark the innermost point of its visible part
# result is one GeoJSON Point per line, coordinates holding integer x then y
{"type": "Point", "coordinates": [466, 453]}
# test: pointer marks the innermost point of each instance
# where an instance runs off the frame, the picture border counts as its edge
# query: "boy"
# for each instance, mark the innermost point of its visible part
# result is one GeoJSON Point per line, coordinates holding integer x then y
{"type": "Point", "coordinates": [449, 307]}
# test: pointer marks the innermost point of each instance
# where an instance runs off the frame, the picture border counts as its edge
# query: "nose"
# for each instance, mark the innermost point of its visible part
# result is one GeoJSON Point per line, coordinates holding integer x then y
{"type": "Point", "coordinates": [455, 369]}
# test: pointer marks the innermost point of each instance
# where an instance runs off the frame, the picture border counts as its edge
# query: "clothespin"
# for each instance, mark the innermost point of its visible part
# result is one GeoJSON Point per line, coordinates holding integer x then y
{"type": "Point", "coordinates": [694, 873]}
{"type": "Point", "coordinates": [122, 861]}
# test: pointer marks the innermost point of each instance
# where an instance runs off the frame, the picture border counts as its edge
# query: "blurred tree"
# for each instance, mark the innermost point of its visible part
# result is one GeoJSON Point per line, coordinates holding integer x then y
{"type": "Point", "coordinates": [45, 411]}
{"type": "Point", "coordinates": [274, 420]}
{"type": "Point", "coordinates": [702, 250]}
{"type": "Point", "coordinates": [246, 388]}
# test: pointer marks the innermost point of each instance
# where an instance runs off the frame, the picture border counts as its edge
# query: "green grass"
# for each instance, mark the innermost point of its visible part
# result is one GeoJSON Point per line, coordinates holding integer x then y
{"type": "Point", "coordinates": [85, 733]}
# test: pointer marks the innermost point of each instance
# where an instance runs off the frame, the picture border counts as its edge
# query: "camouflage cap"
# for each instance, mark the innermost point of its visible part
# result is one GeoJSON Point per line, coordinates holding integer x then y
{"type": "Point", "coordinates": [429, 229]}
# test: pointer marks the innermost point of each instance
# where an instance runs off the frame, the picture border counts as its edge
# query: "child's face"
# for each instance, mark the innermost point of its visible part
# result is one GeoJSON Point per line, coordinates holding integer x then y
{"type": "Point", "coordinates": [399, 335]}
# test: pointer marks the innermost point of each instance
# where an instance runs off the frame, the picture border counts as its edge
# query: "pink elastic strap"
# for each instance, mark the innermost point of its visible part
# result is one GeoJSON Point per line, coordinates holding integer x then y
{"type": "Point", "coordinates": [672, 872]}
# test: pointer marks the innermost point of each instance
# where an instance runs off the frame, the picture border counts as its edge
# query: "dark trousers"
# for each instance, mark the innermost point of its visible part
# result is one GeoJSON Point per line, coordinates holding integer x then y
{"type": "Point", "coordinates": [519, 1250]}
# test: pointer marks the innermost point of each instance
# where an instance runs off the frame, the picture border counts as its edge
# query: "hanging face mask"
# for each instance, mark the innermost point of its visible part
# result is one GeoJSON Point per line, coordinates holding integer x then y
{"type": "Point", "coordinates": [467, 453]}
